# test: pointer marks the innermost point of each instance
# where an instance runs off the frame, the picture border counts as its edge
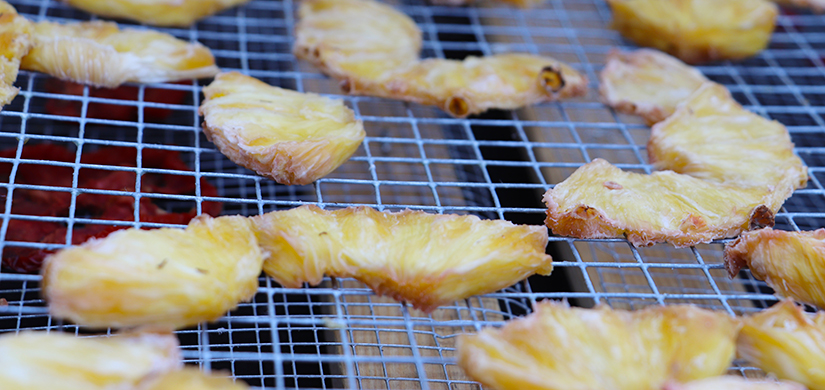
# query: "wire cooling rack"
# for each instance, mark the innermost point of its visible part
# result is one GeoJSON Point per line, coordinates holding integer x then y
{"type": "Point", "coordinates": [497, 165]}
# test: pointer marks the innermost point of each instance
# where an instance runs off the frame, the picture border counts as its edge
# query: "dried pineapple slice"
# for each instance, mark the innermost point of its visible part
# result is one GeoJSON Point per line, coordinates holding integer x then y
{"type": "Point", "coordinates": [180, 13]}
{"type": "Point", "coordinates": [697, 30]}
{"type": "Point", "coordinates": [193, 379]}
{"type": "Point", "coordinates": [15, 42]}
{"type": "Point", "coordinates": [647, 83]}
{"type": "Point", "coordinates": [100, 54]}
{"type": "Point", "coordinates": [427, 260]}
{"type": "Point", "coordinates": [291, 137]}
{"type": "Point", "coordinates": [562, 348]}
{"type": "Point", "coordinates": [792, 263]}
{"type": "Point", "coordinates": [787, 343]}
{"type": "Point", "coordinates": [734, 383]}
{"type": "Point", "coordinates": [48, 361]}
{"type": "Point", "coordinates": [169, 278]}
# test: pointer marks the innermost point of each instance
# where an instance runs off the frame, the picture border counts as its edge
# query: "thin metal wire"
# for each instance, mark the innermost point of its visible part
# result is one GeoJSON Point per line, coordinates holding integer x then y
{"type": "Point", "coordinates": [338, 334]}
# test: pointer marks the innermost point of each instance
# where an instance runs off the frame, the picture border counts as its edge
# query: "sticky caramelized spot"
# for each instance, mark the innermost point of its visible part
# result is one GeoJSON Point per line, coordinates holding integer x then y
{"type": "Point", "coordinates": [612, 185]}
{"type": "Point", "coordinates": [457, 106]}
{"type": "Point", "coordinates": [551, 79]}
{"type": "Point", "coordinates": [761, 217]}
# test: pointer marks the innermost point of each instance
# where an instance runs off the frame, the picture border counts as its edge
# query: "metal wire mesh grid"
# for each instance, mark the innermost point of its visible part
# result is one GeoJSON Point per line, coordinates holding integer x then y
{"type": "Point", "coordinates": [497, 165]}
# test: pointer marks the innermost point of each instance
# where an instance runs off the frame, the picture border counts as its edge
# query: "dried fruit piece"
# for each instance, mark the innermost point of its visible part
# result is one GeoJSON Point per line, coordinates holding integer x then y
{"type": "Point", "coordinates": [15, 42]}
{"type": "Point", "coordinates": [697, 30]}
{"type": "Point", "coordinates": [734, 383]}
{"type": "Point", "coordinates": [647, 83]}
{"type": "Point", "coordinates": [100, 54]}
{"type": "Point", "coordinates": [786, 342]}
{"type": "Point", "coordinates": [180, 13]}
{"type": "Point", "coordinates": [47, 361]}
{"type": "Point", "coordinates": [193, 379]}
{"type": "Point", "coordinates": [427, 260]}
{"type": "Point", "coordinates": [792, 263]}
{"type": "Point", "coordinates": [291, 137]}
{"type": "Point", "coordinates": [168, 278]}
{"type": "Point", "coordinates": [559, 347]}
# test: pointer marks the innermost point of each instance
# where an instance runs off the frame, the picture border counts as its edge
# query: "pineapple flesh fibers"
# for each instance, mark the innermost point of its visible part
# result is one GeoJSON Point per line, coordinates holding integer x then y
{"type": "Point", "coordinates": [426, 260]}
{"type": "Point", "coordinates": [647, 83]}
{"type": "Point", "coordinates": [179, 13]}
{"type": "Point", "coordinates": [15, 42]}
{"type": "Point", "coordinates": [193, 379]}
{"type": "Point", "coordinates": [373, 50]}
{"type": "Point", "coordinates": [727, 171]}
{"type": "Point", "coordinates": [785, 342]}
{"type": "Point", "coordinates": [164, 278]}
{"type": "Point", "coordinates": [288, 136]}
{"type": "Point", "coordinates": [792, 263]}
{"type": "Point", "coordinates": [100, 54]}
{"type": "Point", "coordinates": [697, 31]}
{"type": "Point", "coordinates": [563, 348]}
{"type": "Point", "coordinates": [49, 361]}
{"type": "Point", "coordinates": [734, 383]}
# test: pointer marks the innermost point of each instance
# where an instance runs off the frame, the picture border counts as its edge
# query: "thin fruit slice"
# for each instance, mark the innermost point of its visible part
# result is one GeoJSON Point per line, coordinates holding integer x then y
{"type": "Point", "coordinates": [600, 200]}
{"type": "Point", "coordinates": [48, 361]}
{"type": "Point", "coordinates": [786, 342]}
{"type": "Point", "coordinates": [194, 379]}
{"type": "Point", "coordinates": [813, 5]}
{"type": "Point", "coordinates": [426, 260]}
{"type": "Point", "coordinates": [15, 42]}
{"type": "Point", "coordinates": [291, 137]}
{"type": "Point", "coordinates": [559, 348]}
{"type": "Point", "coordinates": [179, 13]}
{"type": "Point", "coordinates": [164, 278]}
{"type": "Point", "coordinates": [647, 83]}
{"type": "Point", "coordinates": [712, 137]}
{"type": "Point", "coordinates": [792, 263]}
{"type": "Point", "coordinates": [100, 54]}
{"type": "Point", "coordinates": [697, 30]}
{"type": "Point", "coordinates": [734, 383]}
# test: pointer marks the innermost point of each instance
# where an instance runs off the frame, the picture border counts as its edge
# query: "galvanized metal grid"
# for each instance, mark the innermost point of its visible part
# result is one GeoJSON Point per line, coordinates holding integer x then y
{"type": "Point", "coordinates": [339, 335]}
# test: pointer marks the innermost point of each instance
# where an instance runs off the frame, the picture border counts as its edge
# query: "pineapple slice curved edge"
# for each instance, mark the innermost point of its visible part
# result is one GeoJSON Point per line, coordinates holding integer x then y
{"type": "Point", "coordinates": [54, 360]}
{"type": "Point", "coordinates": [647, 83]}
{"type": "Point", "coordinates": [424, 259]}
{"type": "Point", "coordinates": [165, 278]}
{"type": "Point", "coordinates": [179, 13]}
{"type": "Point", "coordinates": [101, 54]}
{"type": "Point", "coordinates": [784, 341]}
{"type": "Point", "coordinates": [288, 136]}
{"type": "Point", "coordinates": [792, 263]}
{"type": "Point", "coordinates": [15, 42]}
{"type": "Point", "coordinates": [728, 382]}
{"type": "Point", "coordinates": [697, 31]}
{"type": "Point", "coordinates": [562, 348]}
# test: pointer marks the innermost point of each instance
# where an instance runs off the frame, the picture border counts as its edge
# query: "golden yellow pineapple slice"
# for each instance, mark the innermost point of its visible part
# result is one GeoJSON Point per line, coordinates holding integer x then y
{"type": "Point", "coordinates": [792, 263]}
{"type": "Point", "coordinates": [647, 83]}
{"type": "Point", "coordinates": [15, 42]}
{"type": "Point", "coordinates": [193, 379]}
{"type": "Point", "coordinates": [727, 382]}
{"type": "Point", "coordinates": [426, 260]}
{"type": "Point", "coordinates": [714, 138]}
{"type": "Point", "coordinates": [697, 30]}
{"type": "Point", "coordinates": [48, 361]}
{"type": "Point", "coordinates": [291, 137]}
{"type": "Point", "coordinates": [786, 342]}
{"type": "Point", "coordinates": [600, 200]}
{"type": "Point", "coordinates": [164, 278]}
{"type": "Point", "coordinates": [563, 348]}
{"type": "Point", "coordinates": [100, 54]}
{"type": "Point", "coordinates": [156, 12]}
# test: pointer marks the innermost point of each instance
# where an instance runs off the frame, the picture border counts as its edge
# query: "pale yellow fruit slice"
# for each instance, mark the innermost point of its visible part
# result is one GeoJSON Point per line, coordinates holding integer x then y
{"type": "Point", "coordinates": [792, 263]}
{"type": "Point", "coordinates": [180, 13]}
{"type": "Point", "coordinates": [15, 42]}
{"type": "Point", "coordinates": [697, 30]}
{"type": "Point", "coordinates": [734, 383]}
{"type": "Point", "coordinates": [427, 260]}
{"type": "Point", "coordinates": [563, 348]}
{"type": "Point", "coordinates": [787, 343]}
{"type": "Point", "coordinates": [164, 278]}
{"type": "Point", "coordinates": [193, 379]}
{"type": "Point", "coordinates": [647, 83]}
{"type": "Point", "coordinates": [288, 136]}
{"type": "Point", "coordinates": [49, 361]}
{"type": "Point", "coordinates": [100, 54]}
